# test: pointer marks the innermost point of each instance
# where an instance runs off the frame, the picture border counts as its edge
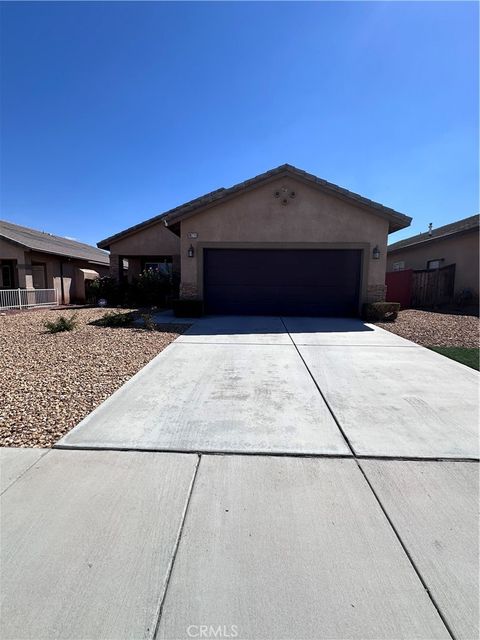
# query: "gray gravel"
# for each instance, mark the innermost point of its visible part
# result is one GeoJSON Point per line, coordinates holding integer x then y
{"type": "Point", "coordinates": [432, 329]}
{"type": "Point", "coordinates": [49, 382]}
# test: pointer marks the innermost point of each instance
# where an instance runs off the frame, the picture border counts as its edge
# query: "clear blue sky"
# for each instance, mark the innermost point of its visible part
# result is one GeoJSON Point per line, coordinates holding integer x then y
{"type": "Point", "coordinates": [114, 112]}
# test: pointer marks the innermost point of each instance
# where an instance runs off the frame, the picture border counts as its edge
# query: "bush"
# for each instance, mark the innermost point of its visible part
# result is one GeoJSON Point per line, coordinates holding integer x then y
{"type": "Point", "coordinates": [188, 308]}
{"type": "Point", "coordinates": [148, 322]}
{"type": "Point", "coordinates": [107, 288]}
{"type": "Point", "coordinates": [466, 298]}
{"type": "Point", "coordinates": [114, 319]}
{"type": "Point", "coordinates": [380, 311]}
{"type": "Point", "coordinates": [62, 324]}
{"type": "Point", "coordinates": [149, 288]}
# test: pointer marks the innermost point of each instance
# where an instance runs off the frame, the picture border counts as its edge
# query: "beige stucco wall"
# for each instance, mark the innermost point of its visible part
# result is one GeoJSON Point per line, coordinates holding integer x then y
{"type": "Point", "coordinates": [9, 251]}
{"type": "Point", "coordinates": [461, 250]}
{"type": "Point", "coordinates": [155, 240]}
{"type": "Point", "coordinates": [311, 219]}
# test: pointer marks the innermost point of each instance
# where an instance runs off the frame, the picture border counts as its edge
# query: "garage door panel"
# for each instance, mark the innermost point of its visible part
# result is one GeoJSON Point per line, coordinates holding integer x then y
{"type": "Point", "coordinates": [268, 266]}
{"type": "Point", "coordinates": [320, 278]}
{"type": "Point", "coordinates": [220, 270]}
{"type": "Point", "coordinates": [282, 282]}
{"type": "Point", "coordinates": [313, 293]}
{"type": "Point", "coordinates": [242, 292]}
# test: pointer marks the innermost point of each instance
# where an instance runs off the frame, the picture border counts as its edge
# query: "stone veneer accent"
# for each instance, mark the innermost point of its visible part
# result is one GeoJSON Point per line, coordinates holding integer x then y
{"type": "Point", "coordinates": [376, 293]}
{"type": "Point", "coordinates": [115, 266]}
{"type": "Point", "coordinates": [188, 291]}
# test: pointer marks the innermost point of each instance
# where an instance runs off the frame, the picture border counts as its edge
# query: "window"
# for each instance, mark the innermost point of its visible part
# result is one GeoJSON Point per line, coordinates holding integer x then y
{"type": "Point", "coordinates": [398, 266]}
{"type": "Point", "coordinates": [6, 279]}
{"type": "Point", "coordinates": [164, 268]}
{"type": "Point", "coordinates": [39, 275]}
{"type": "Point", "coordinates": [434, 264]}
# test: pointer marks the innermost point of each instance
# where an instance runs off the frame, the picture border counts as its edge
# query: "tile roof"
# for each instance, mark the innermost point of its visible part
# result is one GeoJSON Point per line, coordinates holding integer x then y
{"type": "Point", "coordinates": [460, 226]}
{"type": "Point", "coordinates": [397, 220]}
{"type": "Point", "coordinates": [48, 243]}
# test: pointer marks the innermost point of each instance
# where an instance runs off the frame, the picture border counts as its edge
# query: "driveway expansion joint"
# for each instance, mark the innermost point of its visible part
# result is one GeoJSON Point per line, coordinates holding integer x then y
{"type": "Point", "coordinates": [158, 614]}
{"type": "Point", "coordinates": [345, 437]}
{"type": "Point", "coordinates": [390, 522]}
{"type": "Point", "coordinates": [42, 455]}
{"type": "Point", "coordinates": [270, 454]}
{"type": "Point", "coordinates": [407, 553]}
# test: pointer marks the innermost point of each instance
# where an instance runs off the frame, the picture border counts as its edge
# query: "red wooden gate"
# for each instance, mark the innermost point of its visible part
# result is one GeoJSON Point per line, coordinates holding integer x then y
{"type": "Point", "coordinates": [399, 287]}
{"type": "Point", "coordinates": [423, 288]}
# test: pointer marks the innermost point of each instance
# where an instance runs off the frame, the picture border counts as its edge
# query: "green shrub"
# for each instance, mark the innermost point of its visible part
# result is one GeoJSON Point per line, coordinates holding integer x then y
{"type": "Point", "coordinates": [380, 311]}
{"type": "Point", "coordinates": [114, 319]}
{"type": "Point", "coordinates": [107, 288]}
{"type": "Point", "coordinates": [149, 288]}
{"type": "Point", "coordinates": [148, 322]}
{"type": "Point", "coordinates": [62, 323]}
{"type": "Point", "coordinates": [188, 308]}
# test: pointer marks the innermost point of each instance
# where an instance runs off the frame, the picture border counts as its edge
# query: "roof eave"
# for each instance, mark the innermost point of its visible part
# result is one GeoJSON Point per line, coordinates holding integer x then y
{"type": "Point", "coordinates": [59, 255]}
{"type": "Point", "coordinates": [397, 224]}
{"type": "Point", "coordinates": [15, 242]}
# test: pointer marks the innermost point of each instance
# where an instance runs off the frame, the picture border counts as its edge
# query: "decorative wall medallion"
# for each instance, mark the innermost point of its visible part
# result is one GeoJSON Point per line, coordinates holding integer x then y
{"type": "Point", "coordinates": [284, 193]}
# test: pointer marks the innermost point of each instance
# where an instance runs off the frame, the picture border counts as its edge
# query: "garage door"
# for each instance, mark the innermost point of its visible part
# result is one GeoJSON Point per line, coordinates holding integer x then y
{"type": "Point", "coordinates": [303, 282]}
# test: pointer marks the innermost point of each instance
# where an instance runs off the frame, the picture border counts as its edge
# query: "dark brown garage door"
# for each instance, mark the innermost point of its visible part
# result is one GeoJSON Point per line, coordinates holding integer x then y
{"type": "Point", "coordinates": [302, 282]}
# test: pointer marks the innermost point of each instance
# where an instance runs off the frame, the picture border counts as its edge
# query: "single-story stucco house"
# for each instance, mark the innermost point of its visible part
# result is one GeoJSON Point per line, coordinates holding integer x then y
{"type": "Point", "coordinates": [456, 244]}
{"type": "Point", "coordinates": [31, 259]}
{"type": "Point", "coordinates": [284, 242]}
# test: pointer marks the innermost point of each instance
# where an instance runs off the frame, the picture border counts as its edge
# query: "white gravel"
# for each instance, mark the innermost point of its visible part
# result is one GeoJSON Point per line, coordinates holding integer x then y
{"type": "Point", "coordinates": [49, 382]}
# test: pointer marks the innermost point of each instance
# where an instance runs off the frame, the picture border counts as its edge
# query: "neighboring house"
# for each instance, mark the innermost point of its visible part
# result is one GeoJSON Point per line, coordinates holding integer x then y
{"type": "Point", "coordinates": [31, 259]}
{"type": "Point", "coordinates": [453, 244]}
{"type": "Point", "coordinates": [284, 242]}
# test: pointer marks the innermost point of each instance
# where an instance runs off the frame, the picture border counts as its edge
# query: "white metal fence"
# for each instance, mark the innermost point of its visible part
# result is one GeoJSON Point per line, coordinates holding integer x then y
{"type": "Point", "coordinates": [26, 298]}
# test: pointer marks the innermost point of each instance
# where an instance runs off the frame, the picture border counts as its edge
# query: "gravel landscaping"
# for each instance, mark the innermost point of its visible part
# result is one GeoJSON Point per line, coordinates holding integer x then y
{"type": "Point", "coordinates": [49, 382]}
{"type": "Point", "coordinates": [432, 329]}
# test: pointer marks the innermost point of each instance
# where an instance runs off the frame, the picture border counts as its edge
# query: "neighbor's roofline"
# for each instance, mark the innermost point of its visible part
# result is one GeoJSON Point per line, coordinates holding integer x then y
{"type": "Point", "coordinates": [24, 245]}
{"type": "Point", "coordinates": [423, 238]}
{"type": "Point", "coordinates": [397, 220]}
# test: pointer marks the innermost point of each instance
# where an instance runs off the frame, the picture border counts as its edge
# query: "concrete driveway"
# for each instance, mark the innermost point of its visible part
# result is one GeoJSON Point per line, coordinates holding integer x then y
{"type": "Point", "coordinates": [303, 386]}
{"type": "Point", "coordinates": [333, 528]}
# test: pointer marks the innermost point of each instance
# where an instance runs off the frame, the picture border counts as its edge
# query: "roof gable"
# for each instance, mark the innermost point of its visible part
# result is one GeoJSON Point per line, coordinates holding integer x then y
{"type": "Point", "coordinates": [173, 216]}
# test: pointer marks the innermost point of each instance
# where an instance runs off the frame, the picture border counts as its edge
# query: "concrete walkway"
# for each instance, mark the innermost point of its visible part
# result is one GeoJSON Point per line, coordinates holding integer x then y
{"type": "Point", "coordinates": [313, 537]}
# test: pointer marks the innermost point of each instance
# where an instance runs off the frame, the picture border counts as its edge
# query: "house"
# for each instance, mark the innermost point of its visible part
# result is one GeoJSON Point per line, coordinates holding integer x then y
{"type": "Point", "coordinates": [456, 244]}
{"type": "Point", "coordinates": [31, 259]}
{"type": "Point", "coordinates": [284, 242]}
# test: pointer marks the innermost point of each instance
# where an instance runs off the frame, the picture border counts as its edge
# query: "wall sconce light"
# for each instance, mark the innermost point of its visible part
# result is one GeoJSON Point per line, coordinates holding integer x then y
{"type": "Point", "coordinates": [376, 253]}
{"type": "Point", "coordinates": [191, 251]}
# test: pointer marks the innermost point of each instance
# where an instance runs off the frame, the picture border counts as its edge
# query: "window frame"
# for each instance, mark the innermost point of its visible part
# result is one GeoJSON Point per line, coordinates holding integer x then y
{"type": "Point", "coordinates": [438, 260]}
{"type": "Point", "coordinates": [164, 265]}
